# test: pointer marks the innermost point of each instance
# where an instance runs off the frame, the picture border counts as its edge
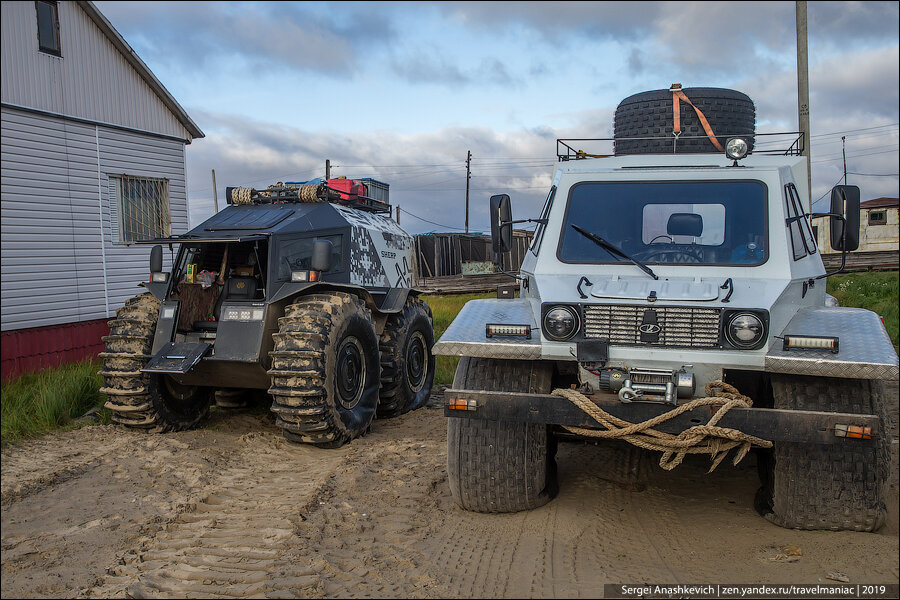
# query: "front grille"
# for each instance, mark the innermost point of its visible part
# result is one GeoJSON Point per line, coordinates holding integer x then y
{"type": "Point", "coordinates": [680, 327]}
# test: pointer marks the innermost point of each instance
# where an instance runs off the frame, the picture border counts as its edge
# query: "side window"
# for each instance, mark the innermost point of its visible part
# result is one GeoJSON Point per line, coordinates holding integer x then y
{"type": "Point", "coordinates": [139, 208]}
{"type": "Point", "coordinates": [802, 239]}
{"type": "Point", "coordinates": [539, 232]}
{"type": "Point", "coordinates": [296, 255]}
{"type": "Point", "coordinates": [48, 27]}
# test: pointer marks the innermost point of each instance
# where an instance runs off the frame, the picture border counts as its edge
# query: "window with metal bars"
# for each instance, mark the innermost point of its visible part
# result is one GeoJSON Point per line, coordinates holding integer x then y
{"type": "Point", "coordinates": [139, 208]}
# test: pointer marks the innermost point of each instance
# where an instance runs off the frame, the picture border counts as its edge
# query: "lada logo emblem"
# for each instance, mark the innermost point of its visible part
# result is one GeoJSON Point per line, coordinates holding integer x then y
{"type": "Point", "coordinates": [649, 328]}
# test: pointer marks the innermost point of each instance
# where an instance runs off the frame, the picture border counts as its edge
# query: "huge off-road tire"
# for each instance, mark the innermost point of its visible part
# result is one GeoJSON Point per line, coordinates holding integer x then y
{"type": "Point", "coordinates": [325, 370]}
{"type": "Point", "coordinates": [648, 117]}
{"type": "Point", "coordinates": [838, 486]}
{"type": "Point", "coordinates": [407, 364]}
{"type": "Point", "coordinates": [501, 466]}
{"type": "Point", "coordinates": [138, 400]}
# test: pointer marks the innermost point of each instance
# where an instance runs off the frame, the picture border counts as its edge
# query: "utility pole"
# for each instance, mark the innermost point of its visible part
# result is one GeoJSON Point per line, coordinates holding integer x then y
{"type": "Point", "coordinates": [216, 195]}
{"type": "Point", "coordinates": [844, 152]}
{"type": "Point", "coordinates": [803, 93]}
{"type": "Point", "coordinates": [468, 176]}
{"type": "Point", "coordinates": [398, 215]}
{"type": "Point", "coordinates": [327, 169]}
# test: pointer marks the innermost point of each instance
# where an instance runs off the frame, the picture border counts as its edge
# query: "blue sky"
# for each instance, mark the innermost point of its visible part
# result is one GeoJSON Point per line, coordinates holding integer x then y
{"type": "Point", "coordinates": [400, 91]}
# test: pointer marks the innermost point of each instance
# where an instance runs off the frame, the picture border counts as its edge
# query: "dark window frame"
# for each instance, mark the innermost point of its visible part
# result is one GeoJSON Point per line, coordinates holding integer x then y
{"type": "Point", "coordinates": [797, 220]}
{"type": "Point", "coordinates": [882, 213]}
{"type": "Point", "coordinates": [54, 7]}
{"type": "Point", "coordinates": [542, 227]}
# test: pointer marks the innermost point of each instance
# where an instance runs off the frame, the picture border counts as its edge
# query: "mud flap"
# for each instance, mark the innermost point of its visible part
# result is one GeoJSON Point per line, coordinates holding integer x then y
{"type": "Point", "coordinates": [176, 358]}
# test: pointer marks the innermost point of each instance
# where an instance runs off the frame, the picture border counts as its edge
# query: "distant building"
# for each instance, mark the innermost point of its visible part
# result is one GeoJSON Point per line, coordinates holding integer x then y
{"type": "Point", "coordinates": [879, 227]}
{"type": "Point", "coordinates": [93, 159]}
{"type": "Point", "coordinates": [448, 254]}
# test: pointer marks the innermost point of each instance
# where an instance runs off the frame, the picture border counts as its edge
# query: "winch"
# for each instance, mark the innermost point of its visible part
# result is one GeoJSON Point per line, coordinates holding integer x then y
{"type": "Point", "coordinates": [641, 383]}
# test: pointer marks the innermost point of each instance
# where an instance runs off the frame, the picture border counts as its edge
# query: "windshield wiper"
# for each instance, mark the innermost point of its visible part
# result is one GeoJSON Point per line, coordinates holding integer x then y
{"type": "Point", "coordinates": [613, 250]}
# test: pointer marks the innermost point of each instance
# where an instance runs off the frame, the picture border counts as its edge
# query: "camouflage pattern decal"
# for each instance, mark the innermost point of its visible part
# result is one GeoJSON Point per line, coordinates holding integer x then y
{"type": "Point", "coordinates": [365, 265]}
{"type": "Point", "coordinates": [380, 251]}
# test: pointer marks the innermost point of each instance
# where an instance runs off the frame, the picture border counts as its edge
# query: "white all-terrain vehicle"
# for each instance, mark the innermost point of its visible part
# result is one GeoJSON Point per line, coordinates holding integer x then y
{"type": "Point", "coordinates": [683, 261]}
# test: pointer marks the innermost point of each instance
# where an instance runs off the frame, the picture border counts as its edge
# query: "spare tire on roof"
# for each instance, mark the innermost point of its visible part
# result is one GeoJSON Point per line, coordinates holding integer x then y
{"type": "Point", "coordinates": [644, 122]}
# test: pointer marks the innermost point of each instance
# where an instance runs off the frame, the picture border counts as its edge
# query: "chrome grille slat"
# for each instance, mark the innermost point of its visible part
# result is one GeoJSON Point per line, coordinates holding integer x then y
{"type": "Point", "coordinates": [686, 327]}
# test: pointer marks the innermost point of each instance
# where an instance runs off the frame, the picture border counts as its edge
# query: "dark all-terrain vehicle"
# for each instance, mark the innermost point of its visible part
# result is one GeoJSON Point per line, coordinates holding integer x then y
{"type": "Point", "coordinates": [302, 291]}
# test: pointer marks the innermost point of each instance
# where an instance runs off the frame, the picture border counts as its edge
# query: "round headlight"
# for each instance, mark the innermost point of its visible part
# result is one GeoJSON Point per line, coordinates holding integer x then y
{"type": "Point", "coordinates": [736, 148]}
{"type": "Point", "coordinates": [560, 323]}
{"type": "Point", "coordinates": [745, 330]}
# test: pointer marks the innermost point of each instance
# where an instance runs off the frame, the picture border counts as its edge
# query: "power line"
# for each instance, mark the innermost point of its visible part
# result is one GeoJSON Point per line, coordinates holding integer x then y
{"type": "Point", "coordinates": [432, 222]}
{"type": "Point", "coordinates": [874, 174]}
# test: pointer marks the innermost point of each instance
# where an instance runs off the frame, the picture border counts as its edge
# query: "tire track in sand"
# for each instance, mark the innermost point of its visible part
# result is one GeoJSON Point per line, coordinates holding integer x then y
{"type": "Point", "coordinates": [239, 539]}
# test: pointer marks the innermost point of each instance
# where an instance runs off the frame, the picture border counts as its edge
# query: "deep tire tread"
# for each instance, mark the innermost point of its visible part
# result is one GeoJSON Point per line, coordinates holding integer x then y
{"type": "Point", "coordinates": [833, 487]}
{"type": "Point", "coordinates": [396, 397]}
{"type": "Point", "coordinates": [500, 466]}
{"type": "Point", "coordinates": [305, 410]}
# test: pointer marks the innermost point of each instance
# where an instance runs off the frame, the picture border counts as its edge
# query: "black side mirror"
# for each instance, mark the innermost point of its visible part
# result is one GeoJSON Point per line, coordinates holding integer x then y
{"type": "Point", "coordinates": [501, 225]}
{"type": "Point", "coordinates": [845, 233]}
{"type": "Point", "coordinates": [321, 256]}
{"type": "Point", "coordinates": [156, 259]}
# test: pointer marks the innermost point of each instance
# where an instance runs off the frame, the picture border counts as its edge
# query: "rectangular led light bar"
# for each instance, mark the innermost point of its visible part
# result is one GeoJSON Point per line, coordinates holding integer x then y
{"type": "Point", "coordinates": [811, 342]}
{"type": "Point", "coordinates": [500, 330]}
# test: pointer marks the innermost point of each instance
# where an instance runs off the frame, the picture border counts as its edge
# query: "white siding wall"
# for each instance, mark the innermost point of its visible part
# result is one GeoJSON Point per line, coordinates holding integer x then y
{"type": "Point", "coordinates": [92, 80]}
{"type": "Point", "coordinates": [55, 194]}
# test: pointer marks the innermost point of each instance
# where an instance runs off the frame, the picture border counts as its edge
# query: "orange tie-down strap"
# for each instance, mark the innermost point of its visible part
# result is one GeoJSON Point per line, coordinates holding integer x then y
{"type": "Point", "coordinates": [678, 95]}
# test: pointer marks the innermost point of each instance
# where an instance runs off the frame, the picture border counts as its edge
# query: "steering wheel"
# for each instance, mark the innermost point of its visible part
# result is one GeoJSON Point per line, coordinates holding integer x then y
{"type": "Point", "coordinates": [685, 255]}
{"type": "Point", "coordinates": [663, 235]}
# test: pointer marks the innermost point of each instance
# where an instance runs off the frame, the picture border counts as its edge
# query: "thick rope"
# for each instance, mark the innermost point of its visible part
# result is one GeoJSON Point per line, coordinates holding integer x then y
{"type": "Point", "coordinates": [699, 439]}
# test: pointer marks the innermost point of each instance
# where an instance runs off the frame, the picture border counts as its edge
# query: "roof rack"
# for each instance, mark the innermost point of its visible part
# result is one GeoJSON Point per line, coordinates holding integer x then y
{"type": "Point", "coordinates": [786, 144]}
{"type": "Point", "coordinates": [304, 193]}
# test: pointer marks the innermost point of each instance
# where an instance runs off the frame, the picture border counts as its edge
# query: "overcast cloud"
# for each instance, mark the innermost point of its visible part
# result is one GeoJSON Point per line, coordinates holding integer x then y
{"type": "Point", "coordinates": [401, 91]}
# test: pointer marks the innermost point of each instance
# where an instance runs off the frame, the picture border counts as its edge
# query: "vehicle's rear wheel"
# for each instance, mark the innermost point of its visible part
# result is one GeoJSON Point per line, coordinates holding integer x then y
{"type": "Point", "coordinates": [838, 486]}
{"type": "Point", "coordinates": [138, 400]}
{"type": "Point", "coordinates": [407, 364]}
{"type": "Point", "coordinates": [325, 370]}
{"type": "Point", "coordinates": [501, 466]}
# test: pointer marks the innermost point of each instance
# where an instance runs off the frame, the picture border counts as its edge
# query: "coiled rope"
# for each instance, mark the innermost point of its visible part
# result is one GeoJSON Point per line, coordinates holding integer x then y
{"type": "Point", "coordinates": [699, 439]}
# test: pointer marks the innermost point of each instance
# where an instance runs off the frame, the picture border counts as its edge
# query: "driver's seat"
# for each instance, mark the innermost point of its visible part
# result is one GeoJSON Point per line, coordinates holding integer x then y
{"type": "Point", "coordinates": [689, 224]}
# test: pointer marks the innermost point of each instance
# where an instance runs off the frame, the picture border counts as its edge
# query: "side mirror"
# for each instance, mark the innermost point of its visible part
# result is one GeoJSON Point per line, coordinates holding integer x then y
{"type": "Point", "coordinates": [501, 225]}
{"type": "Point", "coordinates": [321, 256]}
{"type": "Point", "coordinates": [845, 233]}
{"type": "Point", "coordinates": [156, 265]}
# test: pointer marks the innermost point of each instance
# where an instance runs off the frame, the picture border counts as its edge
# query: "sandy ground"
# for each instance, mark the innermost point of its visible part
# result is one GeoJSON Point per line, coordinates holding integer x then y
{"type": "Point", "coordinates": [234, 510]}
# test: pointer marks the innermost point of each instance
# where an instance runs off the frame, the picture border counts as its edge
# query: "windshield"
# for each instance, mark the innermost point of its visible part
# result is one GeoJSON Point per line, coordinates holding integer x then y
{"type": "Point", "coordinates": [666, 222]}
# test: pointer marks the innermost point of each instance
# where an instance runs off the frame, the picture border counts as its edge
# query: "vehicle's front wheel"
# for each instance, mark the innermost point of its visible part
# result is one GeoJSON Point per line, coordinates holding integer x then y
{"type": "Point", "coordinates": [140, 400]}
{"type": "Point", "coordinates": [838, 486]}
{"type": "Point", "coordinates": [325, 370]}
{"type": "Point", "coordinates": [501, 466]}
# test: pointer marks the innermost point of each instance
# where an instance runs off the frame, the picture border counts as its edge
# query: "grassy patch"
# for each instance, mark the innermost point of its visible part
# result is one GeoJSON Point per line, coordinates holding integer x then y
{"type": "Point", "coordinates": [873, 291]}
{"type": "Point", "coordinates": [444, 309]}
{"type": "Point", "coordinates": [36, 403]}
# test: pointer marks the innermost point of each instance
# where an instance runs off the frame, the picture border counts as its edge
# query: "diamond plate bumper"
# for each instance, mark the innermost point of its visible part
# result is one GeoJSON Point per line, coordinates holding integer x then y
{"type": "Point", "coordinates": [465, 335]}
{"type": "Point", "coordinates": [866, 351]}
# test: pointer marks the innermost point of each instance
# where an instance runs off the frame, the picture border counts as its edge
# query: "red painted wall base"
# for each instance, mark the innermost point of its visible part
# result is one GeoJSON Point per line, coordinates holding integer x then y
{"type": "Point", "coordinates": [28, 350]}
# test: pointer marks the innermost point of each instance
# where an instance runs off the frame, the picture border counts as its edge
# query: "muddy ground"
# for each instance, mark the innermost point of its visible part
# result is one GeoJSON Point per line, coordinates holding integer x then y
{"type": "Point", "coordinates": [234, 510]}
